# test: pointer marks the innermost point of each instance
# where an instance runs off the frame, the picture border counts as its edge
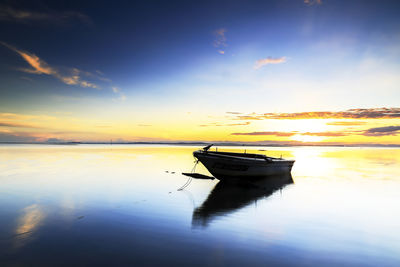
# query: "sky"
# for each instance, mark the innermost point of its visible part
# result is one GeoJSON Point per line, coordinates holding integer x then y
{"type": "Point", "coordinates": [271, 72]}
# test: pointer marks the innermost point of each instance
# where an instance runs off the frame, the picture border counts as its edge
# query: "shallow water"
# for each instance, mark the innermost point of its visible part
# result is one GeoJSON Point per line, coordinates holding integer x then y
{"type": "Point", "coordinates": [119, 205]}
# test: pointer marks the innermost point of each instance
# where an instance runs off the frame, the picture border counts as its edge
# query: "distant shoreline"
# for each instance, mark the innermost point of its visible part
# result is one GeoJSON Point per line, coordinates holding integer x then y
{"type": "Point", "coordinates": [200, 143]}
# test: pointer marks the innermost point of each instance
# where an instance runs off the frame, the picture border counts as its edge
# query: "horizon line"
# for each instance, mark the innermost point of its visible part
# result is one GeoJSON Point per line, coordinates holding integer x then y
{"type": "Point", "coordinates": [218, 143]}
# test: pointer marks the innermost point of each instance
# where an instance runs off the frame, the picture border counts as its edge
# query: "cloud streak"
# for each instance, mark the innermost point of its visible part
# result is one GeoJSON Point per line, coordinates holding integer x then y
{"type": "Point", "coordinates": [328, 134]}
{"type": "Point", "coordinates": [234, 112]}
{"type": "Point", "coordinates": [248, 117]}
{"type": "Point", "coordinates": [288, 134]}
{"type": "Point", "coordinates": [17, 125]}
{"type": "Point", "coordinates": [372, 132]}
{"type": "Point", "coordinates": [228, 124]}
{"type": "Point", "coordinates": [371, 113]}
{"type": "Point", "coordinates": [39, 66]}
{"type": "Point", "coordinates": [267, 133]}
{"type": "Point", "coordinates": [312, 2]}
{"type": "Point", "coordinates": [269, 60]}
{"type": "Point", "coordinates": [346, 123]}
{"type": "Point", "coordinates": [9, 13]}
{"type": "Point", "coordinates": [382, 131]}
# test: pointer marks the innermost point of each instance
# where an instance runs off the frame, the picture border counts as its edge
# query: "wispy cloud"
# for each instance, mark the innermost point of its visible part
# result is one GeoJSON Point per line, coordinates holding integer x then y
{"type": "Point", "coordinates": [346, 123]}
{"type": "Point", "coordinates": [220, 40]}
{"type": "Point", "coordinates": [312, 2]}
{"type": "Point", "coordinates": [376, 132]}
{"type": "Point", "coordinates": [226, 124]}
{"type": "Point", "coordinates": [382, 131]}
{"type": "Point", "coordinates": [117, 90]}
{"type": "Point", "coordinates": [121, 97]}
{"type": "Point", "coordinates": [17, 125]}
{"type": "Point", "coordinates": [288, 134]}
{"type": "Point", "coordinates": [267, 133]}
{"type": "Point", "coordinates": [39, 66]}
{"type": "Point", "coordinates": [248, 117]}
{"type": "Point", "coordinates": [269, 60]}
{"type": "Point", "coordinates": [328, 134]}
{"type": "Point", "coordinates": [26, 78]}
{"type": "Point", "coordinates": [371, 113]}
{"type": "Point", "coordinates": [14, 14]}
{"type": "Point", "coordinates": [15, 116]}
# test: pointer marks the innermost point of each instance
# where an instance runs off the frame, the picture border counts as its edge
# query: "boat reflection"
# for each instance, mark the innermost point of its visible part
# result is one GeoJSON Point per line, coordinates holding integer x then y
{"type": "Point", "coordinates": [226, 197]}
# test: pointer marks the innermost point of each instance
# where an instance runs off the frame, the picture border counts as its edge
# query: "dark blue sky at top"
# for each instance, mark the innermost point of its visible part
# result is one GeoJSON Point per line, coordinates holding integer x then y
{"type": "Point", "coordinates": [140, 44]}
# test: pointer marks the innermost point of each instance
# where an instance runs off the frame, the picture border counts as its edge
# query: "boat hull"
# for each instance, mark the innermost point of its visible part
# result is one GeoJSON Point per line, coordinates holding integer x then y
{"type": "Point", "coordinates": [228, 167]}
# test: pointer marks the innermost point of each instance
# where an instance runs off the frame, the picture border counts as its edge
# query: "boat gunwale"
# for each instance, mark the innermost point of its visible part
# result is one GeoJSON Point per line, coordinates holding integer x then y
{"type": "Point", "coordinates": [240, 156]}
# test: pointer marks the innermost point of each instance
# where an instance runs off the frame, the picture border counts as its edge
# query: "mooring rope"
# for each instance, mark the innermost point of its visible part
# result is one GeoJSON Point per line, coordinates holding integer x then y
{"type": "Point", "coordinates": [186, 184]}
{"type": "Point", "coordinates": [190, 178]}
{"type": "Point", "coordinates": [195, 164]}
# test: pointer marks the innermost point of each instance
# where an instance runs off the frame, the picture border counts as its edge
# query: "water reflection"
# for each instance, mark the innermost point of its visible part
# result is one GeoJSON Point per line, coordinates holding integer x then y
{"type": "Point", "coordinates": [227, 197]}
{"type": "Point", "coordinates": [28, 223]}
{"type": "Point", "coordinates": [116, 205]}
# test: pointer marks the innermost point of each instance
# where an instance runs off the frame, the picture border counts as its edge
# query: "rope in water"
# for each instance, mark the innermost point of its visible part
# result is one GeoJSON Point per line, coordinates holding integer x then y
{"type": "Point", "coordinates": [190, 178]}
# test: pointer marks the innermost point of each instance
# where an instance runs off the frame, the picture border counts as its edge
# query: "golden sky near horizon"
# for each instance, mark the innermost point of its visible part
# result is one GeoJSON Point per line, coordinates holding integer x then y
{"type": "Point", "coordinates": [359, 126]}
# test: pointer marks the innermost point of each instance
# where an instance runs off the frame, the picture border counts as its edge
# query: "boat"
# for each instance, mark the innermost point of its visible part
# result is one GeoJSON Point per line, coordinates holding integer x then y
{"type": "Point", "coordinates": [231, 166]}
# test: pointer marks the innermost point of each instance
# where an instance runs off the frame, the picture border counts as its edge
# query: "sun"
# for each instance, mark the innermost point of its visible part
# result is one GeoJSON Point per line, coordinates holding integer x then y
{"type": "Point", "coordinates": [307, 138]}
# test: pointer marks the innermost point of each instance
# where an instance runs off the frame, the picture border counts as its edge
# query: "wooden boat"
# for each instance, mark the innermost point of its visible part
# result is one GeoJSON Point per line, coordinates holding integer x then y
{"type": "Point", "coordinates": [228, 165]}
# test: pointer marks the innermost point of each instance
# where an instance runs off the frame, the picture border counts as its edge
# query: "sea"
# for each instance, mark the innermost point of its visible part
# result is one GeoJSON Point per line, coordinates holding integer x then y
{"type": "Point", "coordinates": [130, 205]}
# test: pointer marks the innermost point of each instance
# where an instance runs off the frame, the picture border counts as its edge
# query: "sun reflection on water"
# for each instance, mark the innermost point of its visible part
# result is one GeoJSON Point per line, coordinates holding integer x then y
{"type": "Point", "coordinates": [29, 221]}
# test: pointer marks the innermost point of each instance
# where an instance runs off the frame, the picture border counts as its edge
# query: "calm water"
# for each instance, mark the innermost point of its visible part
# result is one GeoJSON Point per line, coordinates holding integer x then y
{"type": "Point", "coordinates": [119, 205]}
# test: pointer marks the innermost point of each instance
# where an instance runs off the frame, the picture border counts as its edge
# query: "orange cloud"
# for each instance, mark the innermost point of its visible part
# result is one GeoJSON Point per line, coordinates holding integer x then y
{"type": "Point", "coordinates": [269, 60]}
{"type": "Point", "coordinates": [248, 117]}
{"type": "Point", "coordinates": [326, 134]}
{"type": "Point", "coordinates": [267, 133]}
{"type": "Point", "coordinates": [229, 124]}
{"type": "Point", "coordinates": [371, 113]}
{"type": "Point", "coordinates": [346, 123]}
{"type": "Point", "coordinates": [88, 84]}
{"type": "Point", "coordinates": [39, 66]}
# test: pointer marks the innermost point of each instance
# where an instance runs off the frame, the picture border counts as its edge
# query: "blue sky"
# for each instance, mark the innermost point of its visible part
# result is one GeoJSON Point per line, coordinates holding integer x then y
{"type": "Point", "coordinates": [131, 59]}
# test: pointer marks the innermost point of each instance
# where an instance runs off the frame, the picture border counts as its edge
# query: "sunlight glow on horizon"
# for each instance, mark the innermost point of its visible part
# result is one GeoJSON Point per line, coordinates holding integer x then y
{"type": "Point", "coordinates": [188, 127]}
{"type": "Point", "coordinates": [307, 138]}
